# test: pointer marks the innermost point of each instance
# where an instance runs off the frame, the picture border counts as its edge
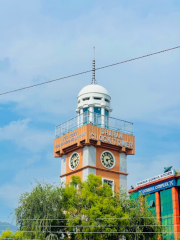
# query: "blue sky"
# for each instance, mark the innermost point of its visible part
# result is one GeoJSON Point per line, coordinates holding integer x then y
{"type": "Point", "coordinates": [47, 39]}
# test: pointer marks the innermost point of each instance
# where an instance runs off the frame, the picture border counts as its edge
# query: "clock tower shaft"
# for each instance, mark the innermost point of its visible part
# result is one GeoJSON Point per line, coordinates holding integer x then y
{"type": "Point", "coordinates": [98, 153]}
{"type": "Point", "coordinates": [93, 141]}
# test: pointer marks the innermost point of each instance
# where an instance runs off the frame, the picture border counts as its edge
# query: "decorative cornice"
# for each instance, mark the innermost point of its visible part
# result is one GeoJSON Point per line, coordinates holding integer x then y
{"type": "Point", "coordinates": [88, 166]}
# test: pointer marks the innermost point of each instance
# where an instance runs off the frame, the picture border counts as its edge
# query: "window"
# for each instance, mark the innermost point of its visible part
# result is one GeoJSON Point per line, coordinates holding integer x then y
{"type": "Point", "coordinates": [85, 99]}
{"type": "Point", "coordinates": [106, 119]}
{"type": "Point", "coordinates": [151, 201]}
{"type": "Point", "coordinates": [85, 110]}
{"type": "Point", "coordinates": [97, 98]}
{"type": "Point", "coordinates": [107, 100]}
{"type": "Point", "coordinates": [74, 185]}
{"type": "Point", "coordinates": [106, 113]}
{"type": "Point", "coordinates": [167, 210]}
{"type": "Point", "coordinates": [97, 116]}
{"type": "Point", "coordinates": [109, 182]}
{"type": "Point", "coordinates": [151, 204]}
{"type": "Point", "coordinates": [85, 115]}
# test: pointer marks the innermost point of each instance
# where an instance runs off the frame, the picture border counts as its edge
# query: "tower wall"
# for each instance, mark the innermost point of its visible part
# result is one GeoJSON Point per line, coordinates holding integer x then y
{"type": "Point", "coordinates": [89, 143]}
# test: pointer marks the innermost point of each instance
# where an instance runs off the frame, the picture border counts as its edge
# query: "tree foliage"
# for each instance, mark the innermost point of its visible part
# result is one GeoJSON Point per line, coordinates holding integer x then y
{"type": "Point", "coordinates": [98, 214]}
{"type": "Point", "coordinates": [40, 213]}
{"type": "Point", "coordinates": [143, 223]}
{"type": "Point", "coordinates": [91, 211]}
{"type": "Point", "coordinates": [9, 234]}
{"type": "Point", "coordinates": [176, 171]}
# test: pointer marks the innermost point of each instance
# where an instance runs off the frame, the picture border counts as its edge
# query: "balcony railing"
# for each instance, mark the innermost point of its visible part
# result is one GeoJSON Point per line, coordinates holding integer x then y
{"type": "Point", "coordinates": [96, 120]}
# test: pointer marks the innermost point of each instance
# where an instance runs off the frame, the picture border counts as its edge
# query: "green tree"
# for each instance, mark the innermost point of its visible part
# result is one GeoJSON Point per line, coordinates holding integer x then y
{"type": "Point", "coordinates": [84, 210]}
{"type": "Point", "coordinates": [143, 223]}
{"type": "Point", "coordinates": [94, 212]}
{"type": "Point", "coordinates": [176, 171]}
{"type": "Point", "coordinates": [9, 234]}
{"type": "Point", "coordinates": [40, 213]}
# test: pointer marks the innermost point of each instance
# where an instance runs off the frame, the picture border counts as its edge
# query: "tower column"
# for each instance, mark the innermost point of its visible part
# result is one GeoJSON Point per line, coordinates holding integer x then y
{"type": "Point", "coordinates": [102, 116]}
{"type": "Point", "coordinates": [158, 209]}
{"type": "Point", "coordinates": [78, 117]}
{"type": "Point", "coordinates": [175, 199]}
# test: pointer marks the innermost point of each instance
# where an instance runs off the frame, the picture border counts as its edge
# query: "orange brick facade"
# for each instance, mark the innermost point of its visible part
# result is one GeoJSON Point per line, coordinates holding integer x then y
{"type": "Point", "coordinates": [87, 139]}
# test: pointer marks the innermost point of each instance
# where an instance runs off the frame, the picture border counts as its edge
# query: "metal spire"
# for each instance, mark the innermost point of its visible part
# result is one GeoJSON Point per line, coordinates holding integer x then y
{"type": "Point", "coordinates": [93, 69]}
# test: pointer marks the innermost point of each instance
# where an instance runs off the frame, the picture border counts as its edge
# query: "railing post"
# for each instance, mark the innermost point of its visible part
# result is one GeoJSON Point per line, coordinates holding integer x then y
{"type": "Point", "coordinates": [81, 116]}
{"type": "Point", "coordinates": [78, 120]}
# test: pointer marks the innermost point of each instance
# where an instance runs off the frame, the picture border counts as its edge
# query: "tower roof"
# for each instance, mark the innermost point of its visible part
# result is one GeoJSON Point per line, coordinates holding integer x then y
{"type": "Point", "coordinates": [93, 88]}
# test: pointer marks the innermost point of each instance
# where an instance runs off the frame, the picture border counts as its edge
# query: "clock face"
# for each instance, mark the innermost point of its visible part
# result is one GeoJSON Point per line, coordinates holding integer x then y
{"type": "Point", "coordinates": [107, 159]}
{"type": "Point", "coordinates": [74, 161]}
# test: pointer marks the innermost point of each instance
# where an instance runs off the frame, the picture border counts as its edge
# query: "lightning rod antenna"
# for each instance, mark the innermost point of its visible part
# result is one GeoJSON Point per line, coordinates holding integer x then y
{"type": "Point", "coordinates": [93, 69]}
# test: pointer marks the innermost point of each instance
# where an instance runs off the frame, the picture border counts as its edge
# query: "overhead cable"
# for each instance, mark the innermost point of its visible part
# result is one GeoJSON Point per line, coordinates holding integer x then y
{"type": "Point", "coordinates": [77, 74]}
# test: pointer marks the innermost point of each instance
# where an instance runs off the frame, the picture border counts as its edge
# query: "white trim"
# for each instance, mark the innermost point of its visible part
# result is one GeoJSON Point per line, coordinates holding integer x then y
{"type": "Point", "coordinates": [113, 159]}
{"type": "Point", "coordinates": [70, 160]}
{"type": "Point", "coordinates": [109, 180]}
{"type": "Point", "coordinates": [88, 171]}
{"type": "Point", "coordinates": [63, 181]}
{"type": "Point", "coordinates": [63, 164]}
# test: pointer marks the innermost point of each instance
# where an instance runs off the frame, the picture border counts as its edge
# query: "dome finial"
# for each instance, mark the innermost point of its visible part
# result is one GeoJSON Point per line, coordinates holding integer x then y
{"type": "Point", "coordinates": [93, 69]}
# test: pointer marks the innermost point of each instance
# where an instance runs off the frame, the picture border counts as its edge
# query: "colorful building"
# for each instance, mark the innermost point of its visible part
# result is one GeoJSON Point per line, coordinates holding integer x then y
{"type": "Point", "coordinates": [163, 197]}
{"type": "Point", "coordinates": [93, 141]}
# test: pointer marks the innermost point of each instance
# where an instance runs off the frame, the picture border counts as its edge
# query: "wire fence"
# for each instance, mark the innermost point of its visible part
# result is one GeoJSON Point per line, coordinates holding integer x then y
{"type": "Point", "coordinates": [95, 226]}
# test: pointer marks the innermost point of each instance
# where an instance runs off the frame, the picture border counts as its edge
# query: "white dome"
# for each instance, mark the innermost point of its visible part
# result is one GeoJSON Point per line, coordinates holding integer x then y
{"type": "Point", "coordinates": [93, 96]}
{"type": "Point", "coordinates": [93, 88]}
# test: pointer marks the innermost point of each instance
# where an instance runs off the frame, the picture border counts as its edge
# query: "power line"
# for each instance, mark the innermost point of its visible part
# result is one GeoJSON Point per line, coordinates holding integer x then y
{"type": "Point", "coordinates": [77, 74]}
{"type": "Point", "coordinates": [77, 218]}
{"type": "Point", "coordinates": [101, 226]}
{"type": "Point", "coordinates": [97, 232]}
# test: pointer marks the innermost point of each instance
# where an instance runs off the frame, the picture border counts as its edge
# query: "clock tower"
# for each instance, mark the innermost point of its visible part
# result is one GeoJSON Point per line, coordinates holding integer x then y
{"type": "Point", "coordinates": [94, 141]}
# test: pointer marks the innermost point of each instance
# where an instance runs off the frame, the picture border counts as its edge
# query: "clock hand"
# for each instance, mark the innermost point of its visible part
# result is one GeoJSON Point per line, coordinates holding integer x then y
{"type": "Point", "coordinates": [106, 159]}
{"type": "Point", "coordinates": [74, 160]}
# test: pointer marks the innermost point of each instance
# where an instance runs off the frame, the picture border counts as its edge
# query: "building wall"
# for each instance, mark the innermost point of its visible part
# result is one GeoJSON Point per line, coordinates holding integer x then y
{"type": "Point", "coordinates": [99, 151]}
{"type": "Point", "coordinates": [74, 173]}
{"type": "Point", "coordinates": [86, 172]}
{"type": "Point", "coordinates": [111, 176]}
{"type": "Point", "coordinates": [89, 156]}
{"type": "Point", "coordinates": [63, 164]}
{"type": "Point", "coordinates": [77, 174]}
{"type": "Point", "coordinates": [167, 210]}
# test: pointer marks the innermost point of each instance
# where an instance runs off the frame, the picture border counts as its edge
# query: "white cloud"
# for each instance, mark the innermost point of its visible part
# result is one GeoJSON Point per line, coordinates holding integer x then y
{"type": "Point", "coordinates": [139, 90]}
{"type": "Point", "coordinates": [24, 179]}
{"type": "Point", "coordinates": [25, 136]}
